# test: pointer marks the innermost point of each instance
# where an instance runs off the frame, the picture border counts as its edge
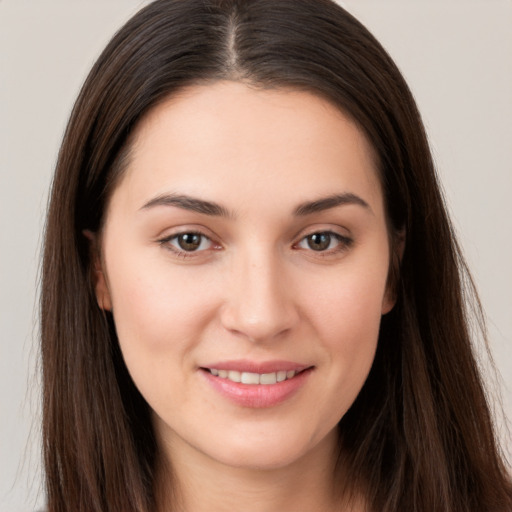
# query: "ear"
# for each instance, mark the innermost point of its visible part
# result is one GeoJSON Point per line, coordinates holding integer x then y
{"type": "Point", "coordinates": [397, 252]}
{"type": "Point", "coordinates": [97, 273]}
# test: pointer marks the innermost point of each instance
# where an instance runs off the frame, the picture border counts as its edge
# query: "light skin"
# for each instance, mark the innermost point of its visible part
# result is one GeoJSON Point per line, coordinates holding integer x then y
{"type": "Point", "coordinates": [283, 256]}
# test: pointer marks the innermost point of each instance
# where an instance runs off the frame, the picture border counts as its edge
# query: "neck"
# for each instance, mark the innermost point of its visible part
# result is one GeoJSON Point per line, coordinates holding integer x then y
{"type": "Point", "coordinates": [201, 484]}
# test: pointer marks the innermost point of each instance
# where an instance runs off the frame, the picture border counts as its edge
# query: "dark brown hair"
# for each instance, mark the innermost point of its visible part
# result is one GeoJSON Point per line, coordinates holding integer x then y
{"type": "Point", "coordinates": [419, 437]}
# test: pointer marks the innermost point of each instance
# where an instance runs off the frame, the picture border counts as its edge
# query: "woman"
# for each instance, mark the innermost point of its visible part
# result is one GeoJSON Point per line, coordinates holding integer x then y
{"type": "Point", "coordinates": [252, 295]}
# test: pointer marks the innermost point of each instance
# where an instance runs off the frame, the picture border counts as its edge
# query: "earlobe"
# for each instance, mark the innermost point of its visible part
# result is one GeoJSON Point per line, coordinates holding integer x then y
{"type": "Point", "coordinates": [101, 289]}
{"type": "Point", "coordinates": [97, 274]}
{"type": "Point", "coordinates": [391, 293]}
{"type": "Point", "coordinates": [389, 301]}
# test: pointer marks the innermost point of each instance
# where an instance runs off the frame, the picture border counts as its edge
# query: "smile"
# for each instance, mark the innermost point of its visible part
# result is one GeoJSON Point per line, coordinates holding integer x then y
{"type": "Point", "coordinates": [254, 378]}
{"type": "Point", "coordinates": [256, 385]}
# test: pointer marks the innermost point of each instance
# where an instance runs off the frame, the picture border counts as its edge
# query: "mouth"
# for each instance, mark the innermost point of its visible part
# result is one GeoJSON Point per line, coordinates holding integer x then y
{"type": "Point", "coordinates": [252, 378]}
{"type": "Point", "coordinates": [257, 385]}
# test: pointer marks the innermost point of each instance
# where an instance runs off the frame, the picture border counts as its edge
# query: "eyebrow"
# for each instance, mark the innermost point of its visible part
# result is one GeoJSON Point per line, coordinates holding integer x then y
{"type": "Point", "coordinates": [326, 203]}
{"type": "Point", "coordinates": [210, 208]}
{"type": "Point", "coordinates": [188, 203]}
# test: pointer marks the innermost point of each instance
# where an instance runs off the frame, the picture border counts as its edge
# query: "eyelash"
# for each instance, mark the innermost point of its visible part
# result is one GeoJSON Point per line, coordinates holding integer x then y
{"type": "Point", "coordinates": [167, 243]}
{"type": "Point", "coordinates": [343, 243]}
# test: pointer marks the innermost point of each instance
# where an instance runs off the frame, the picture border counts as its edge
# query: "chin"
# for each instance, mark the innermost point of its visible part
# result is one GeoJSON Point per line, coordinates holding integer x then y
{"type": "Point", "coordinates": [270, 452]}
{"type": "Point", "coordinates": [264, 460]}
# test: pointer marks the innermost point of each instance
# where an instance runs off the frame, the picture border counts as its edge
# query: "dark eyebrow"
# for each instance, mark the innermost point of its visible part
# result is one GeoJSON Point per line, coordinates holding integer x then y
{"type": "Point", "coordinates": [213, 209]}
{"type": "Point", "coordinates": [188, 203]}
{"type": "Point", "coordinates": [329, 202]}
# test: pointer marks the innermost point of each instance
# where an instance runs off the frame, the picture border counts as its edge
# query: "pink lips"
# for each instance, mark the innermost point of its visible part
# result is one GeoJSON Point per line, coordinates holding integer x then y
{"type": "Point", "coordinates": [244, 365]}
{"type": "Point", "coordinates": [257, 395]}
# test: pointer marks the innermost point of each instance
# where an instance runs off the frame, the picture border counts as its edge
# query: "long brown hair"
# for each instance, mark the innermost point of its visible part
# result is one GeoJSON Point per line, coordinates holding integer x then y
{"type": "Point", "coordinates": [419, 437]}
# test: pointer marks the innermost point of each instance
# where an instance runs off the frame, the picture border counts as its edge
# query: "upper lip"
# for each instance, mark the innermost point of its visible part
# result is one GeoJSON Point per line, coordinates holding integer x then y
{"type": "Point", "coordinates": [244, 365]}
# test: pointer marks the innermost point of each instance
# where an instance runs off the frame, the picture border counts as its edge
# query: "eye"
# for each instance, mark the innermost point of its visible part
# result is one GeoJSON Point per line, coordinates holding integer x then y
{"type": "Point", "coordinates": [324, 241]}
{"type": "Point", "coordinates": [187, 242]}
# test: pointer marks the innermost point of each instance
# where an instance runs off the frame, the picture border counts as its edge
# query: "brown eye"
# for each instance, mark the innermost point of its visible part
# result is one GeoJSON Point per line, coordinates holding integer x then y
{"type": "Point", "coordinates": [319, 241]}
{"type": "Point", "coordinates": [189, 241]}
{"type": "Point", "coordinates": [328, 242]}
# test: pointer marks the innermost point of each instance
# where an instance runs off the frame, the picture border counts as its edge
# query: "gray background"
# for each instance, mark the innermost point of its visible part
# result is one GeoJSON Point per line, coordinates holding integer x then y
{"type": "Point", "coordinates": [457, 57]}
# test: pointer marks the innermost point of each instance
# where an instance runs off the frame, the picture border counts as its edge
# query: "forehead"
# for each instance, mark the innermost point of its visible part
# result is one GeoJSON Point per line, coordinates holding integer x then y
{"type": "Point", "coordinates": [229, 138]}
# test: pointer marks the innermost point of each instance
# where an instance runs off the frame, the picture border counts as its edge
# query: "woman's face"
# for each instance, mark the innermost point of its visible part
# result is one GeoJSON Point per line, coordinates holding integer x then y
{"type": "Point", "coordinates": [247, 242]}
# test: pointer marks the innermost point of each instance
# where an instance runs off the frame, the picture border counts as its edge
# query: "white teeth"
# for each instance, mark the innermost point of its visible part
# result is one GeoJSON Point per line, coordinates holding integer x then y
{"type": "Point", "coordinates": [281, 375]}
{"type": "Point", "coordinates": [250, 378]}
{"type": "Point", "coordinates": [254, 378]}
{"type": "Point", "coordinates": [234, 376]}
{"type": "Point", "coordinates": [268, 378]}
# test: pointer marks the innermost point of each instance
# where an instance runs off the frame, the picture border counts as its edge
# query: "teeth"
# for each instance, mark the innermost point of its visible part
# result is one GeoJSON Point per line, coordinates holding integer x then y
{"type": "Point", "coordinates": [281, 376]}
{"type": "Point", "coordinates": [254, 378]}
{"type": "Point", "coordinates": [268, 378]}
{"type": "Point", "coordinates": [250, 378]}
{"type": "Point", "coordinates": [234, 376]}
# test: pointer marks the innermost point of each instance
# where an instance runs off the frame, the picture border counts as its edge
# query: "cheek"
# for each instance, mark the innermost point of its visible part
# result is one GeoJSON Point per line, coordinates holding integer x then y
{"type": "Point", "coordinates": [346, 312]}
{"type": "Point", "coordinates": [349, 301]}
{"type": "Point", "coordinates": [158, 312]}
{"type": "Point", "coordinates": [159, 317]}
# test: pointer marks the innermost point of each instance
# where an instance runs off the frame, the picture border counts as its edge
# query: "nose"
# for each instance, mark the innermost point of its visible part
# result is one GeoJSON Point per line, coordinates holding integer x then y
{"type": "Point", "coordinates": [259, 304]}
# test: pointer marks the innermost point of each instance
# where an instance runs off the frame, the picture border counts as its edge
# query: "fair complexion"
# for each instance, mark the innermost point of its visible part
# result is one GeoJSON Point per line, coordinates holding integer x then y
{"type": "Point", "coordinates": [247, 234]}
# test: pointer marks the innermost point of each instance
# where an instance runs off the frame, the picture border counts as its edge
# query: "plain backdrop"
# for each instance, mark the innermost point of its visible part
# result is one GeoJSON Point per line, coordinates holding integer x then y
{"type": "Point", "coordinates": [457, 57]}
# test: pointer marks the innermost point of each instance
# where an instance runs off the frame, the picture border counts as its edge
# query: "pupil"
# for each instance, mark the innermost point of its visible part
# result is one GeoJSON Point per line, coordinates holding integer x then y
{"type": "Point", "coordinates": [319, 241]}
{"type": "Point", "coordinates": [189, 241]}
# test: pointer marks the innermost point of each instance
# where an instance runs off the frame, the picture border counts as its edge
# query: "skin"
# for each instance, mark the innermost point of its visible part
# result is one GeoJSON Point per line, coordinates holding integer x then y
{"type": "Point", "coordinates": [255, 288]}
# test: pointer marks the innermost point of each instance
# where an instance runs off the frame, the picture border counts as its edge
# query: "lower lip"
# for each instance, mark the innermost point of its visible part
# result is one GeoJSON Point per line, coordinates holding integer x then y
{"type": "Point", "coordinates": [257, 395]}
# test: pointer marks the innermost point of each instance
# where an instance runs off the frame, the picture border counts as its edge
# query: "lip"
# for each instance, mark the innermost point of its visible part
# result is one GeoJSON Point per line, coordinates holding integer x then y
{"type": "Point", "coordinates": [244, 365]}
{"type": "Point", "coordinates": [257, 396]}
